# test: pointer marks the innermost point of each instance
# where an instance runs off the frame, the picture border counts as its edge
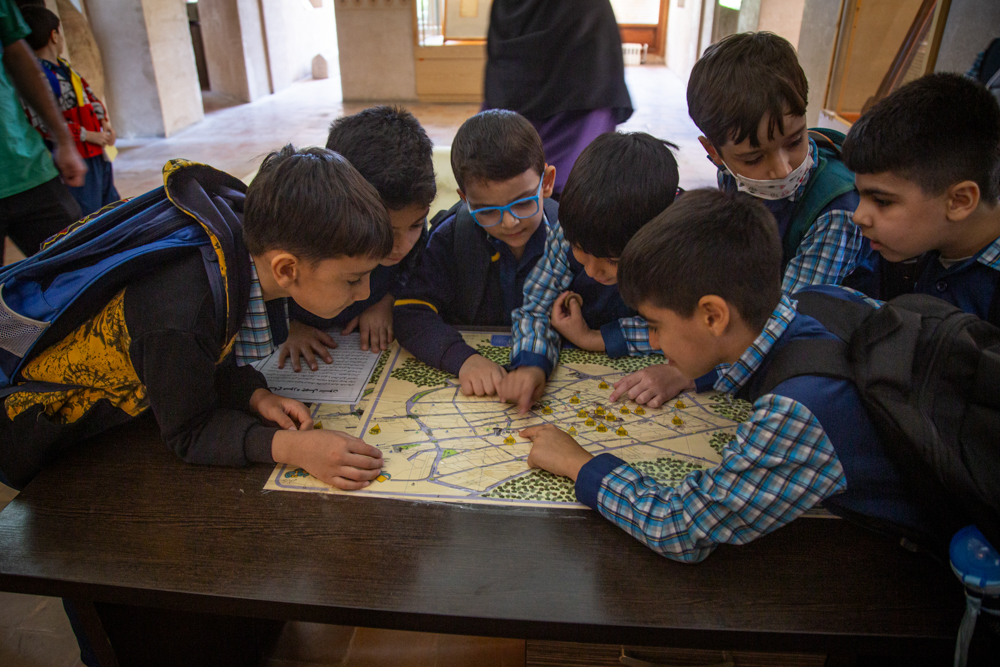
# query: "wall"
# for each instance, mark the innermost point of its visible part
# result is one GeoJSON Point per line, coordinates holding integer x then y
{"type": "Point", "coordinates": [783, 17]}
{"type": "Point", "coordinates": [683, 31]}
{"type": "Point", "coordinates": [173, 63]}
{"type": "Point", "coordinates": [971, 25]}
{"type": "Point", "coordinates": [817, 43]}
{"type": "Point", "coordinates": [296, 32]}
{"type": "Point", "coordinates": [376, 50]}
{"type": "Point", "coordinates": [235, 52]}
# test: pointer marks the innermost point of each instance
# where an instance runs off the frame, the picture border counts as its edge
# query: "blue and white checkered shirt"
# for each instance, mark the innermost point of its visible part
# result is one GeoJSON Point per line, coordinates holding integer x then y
{"type": "Point", "coordinates": [829, 251]}
{"type": "Point", "coordinates": [536, 343]}
{"type": "Point", "coordinates": [254, 341]}
{"type": "Point", "coordinates": [780, 464]}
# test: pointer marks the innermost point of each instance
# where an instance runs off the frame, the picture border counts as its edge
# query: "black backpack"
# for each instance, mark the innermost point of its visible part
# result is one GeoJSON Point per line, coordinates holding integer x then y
{"type": "Point", "coordinates": [928, 375]}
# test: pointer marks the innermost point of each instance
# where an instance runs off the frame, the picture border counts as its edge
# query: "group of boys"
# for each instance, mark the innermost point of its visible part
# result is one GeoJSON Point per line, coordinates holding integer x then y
{"type": "Point", "coordinates": [623, 263]}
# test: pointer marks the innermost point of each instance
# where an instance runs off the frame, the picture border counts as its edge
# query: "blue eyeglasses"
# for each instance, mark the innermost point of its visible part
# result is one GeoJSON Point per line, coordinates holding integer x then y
{"type": "Point", "coordinates": [491, 216]}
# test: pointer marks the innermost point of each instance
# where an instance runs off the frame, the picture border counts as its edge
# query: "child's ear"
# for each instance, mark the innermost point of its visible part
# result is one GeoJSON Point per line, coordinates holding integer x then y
{"type": "Point", "coordinates": [962, 198]}
{"type": "Point", "coordinates": [710, 149]}
{"type": "Point", "coordinates": [714, 313]}
{"type": "Point", "coordinates": [548, 180]}
{"type": "Point", "coordinates": [285, 269]}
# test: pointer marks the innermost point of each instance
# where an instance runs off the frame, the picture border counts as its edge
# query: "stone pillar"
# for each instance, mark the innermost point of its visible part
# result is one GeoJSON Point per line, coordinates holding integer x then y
{"type": "Point", "coordinates": [151, 79]}
{"type": "Point", "coordinates": [235, 51]}
{"type": "Point", "coordinates": [376, 50]}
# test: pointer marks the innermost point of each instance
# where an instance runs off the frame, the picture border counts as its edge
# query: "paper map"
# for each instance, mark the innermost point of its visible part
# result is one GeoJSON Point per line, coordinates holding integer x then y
{"type": "Point", "coordinates": [442, 446]}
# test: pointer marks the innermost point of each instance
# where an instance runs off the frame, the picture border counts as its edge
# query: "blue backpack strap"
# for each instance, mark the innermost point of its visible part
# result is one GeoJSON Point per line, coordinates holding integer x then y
{"type": "Point", "coordinates": [831, 179]}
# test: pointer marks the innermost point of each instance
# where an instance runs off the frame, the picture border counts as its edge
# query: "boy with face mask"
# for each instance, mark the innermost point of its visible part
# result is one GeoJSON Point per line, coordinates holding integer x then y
{"type": "Point", "coordinates": [759, 140]}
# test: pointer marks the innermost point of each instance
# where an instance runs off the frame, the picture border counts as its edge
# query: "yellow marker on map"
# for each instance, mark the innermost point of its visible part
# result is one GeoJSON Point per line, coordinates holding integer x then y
{"type": "Point", "coordinates": [677, 421]}
{"type": "Point", "coordinates": [624, 410]}
{"type": "Point", "coordinates": [680, 405]}
{"type": "Point", "coordinates": [601, 428]}
{"type": "Point", "coordinates": [590, 422]}
{"type": "Point", "coordinates": [621, 431]}
{"type": "Point", "coordinates": [602, 385]}
{"type": "Point", "coordinates": [571, 431]}
{"type": "Point", "coordinates": [575, 399]}
{"type": "Point", "coordinates": [546, 410]}
{"type": "Point", "coordinates": [582, 414]}
{"type": "Point", "coordinates": [599, 410]}
{"type": "Point", "coordinates": [611, 417]}
{"type": "Point", "coordinates": [640, 410]}
{"type": "Point", "coordinates": [509, 440]}
{"type": "Point", "coordinates": [382, 478]}
{"type": "Point", "coordinates": [375, 430]}
{"type": "Point", "coordinates": [318, 425]}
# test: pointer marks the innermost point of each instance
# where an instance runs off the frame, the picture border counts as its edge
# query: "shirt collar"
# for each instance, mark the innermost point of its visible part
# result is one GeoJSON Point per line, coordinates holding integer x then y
{"type": "Point", "coordinates": [990, 255]}
{"type": "Point", "coordinates": [732, 378]}
{"type": "Point", "coordinates": [728, 183]}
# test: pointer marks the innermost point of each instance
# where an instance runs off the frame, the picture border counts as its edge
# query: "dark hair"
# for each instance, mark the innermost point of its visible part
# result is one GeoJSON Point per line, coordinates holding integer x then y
{"type": "Point", "coordinates": [495, 145]}
{"type": "Point", "coordinates": [707, 242]}
{"type": "Point", "coordinates": [936, 131]}
{"type": "Point", "coordinates": [618, 184]}
{"type": "Point", "coordinates": [390, 149]}
{"type": "Point", "coordinates": [42, 22]}
{"type": "Point", "coordinates": [740, 80]}
{"type": "Point", "coordinates": [314, 204]}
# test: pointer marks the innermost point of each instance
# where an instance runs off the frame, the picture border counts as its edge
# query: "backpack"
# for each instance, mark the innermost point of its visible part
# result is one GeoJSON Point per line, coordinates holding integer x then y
{"type": "Point", "coordinates": [928, 375]}
{"type": "Point", "coordinates": [77, 272]}
{"type": "Point", "coordinates": [830, 180]}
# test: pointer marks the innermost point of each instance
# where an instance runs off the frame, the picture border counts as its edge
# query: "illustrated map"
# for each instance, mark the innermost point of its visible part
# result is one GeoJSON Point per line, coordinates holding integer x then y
{"type": "Point", "coordinates": [441, 446]}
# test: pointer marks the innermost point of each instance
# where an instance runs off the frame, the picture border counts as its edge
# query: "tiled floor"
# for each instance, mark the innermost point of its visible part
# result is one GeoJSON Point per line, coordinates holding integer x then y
{"type": "Point", "coordinates": [34, 631]}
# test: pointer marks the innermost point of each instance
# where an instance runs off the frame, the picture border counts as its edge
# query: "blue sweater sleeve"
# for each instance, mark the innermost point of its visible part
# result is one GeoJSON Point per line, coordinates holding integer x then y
{"type": "Point", "coordinates": [421, 310]}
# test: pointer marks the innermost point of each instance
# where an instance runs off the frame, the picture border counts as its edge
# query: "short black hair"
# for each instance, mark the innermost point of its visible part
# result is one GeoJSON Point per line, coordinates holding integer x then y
{"type": "Point", "coordinates": [740, 80]}
{"type": "Point", "coordinates": [707, 242]}
{"type": "Point", "coordinates": [42, 22]}
{"type": "Point", "coordinates": [391, 150]}
{"type": "Point", "coordinates": [936, 131]}
{"type": "Point", "coordinates": [620, 182]}
{"type": "Point", "coordinates": [495, 145]}
{"type": "Point", "coordinates": [314, 204]}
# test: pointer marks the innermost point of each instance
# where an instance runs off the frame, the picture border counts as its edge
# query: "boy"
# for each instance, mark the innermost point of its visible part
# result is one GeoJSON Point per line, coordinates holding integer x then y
{"type": "Point", "coordinates": [619, 183]}
{"type": "Point", "coordinates": [389, 148]}
{"type": "Point", "coordinates": [85, 115]}
{"type": "Point", "coordinates": [476, 261]}
{"type": "Point", "coordinates": [314, 229]}
{"type": "Point", "coordinates": [706, 276]}
{"type": "Point", "coordinates": [758, 139]}
{"type": "Point", "coordinates": [927, 160]}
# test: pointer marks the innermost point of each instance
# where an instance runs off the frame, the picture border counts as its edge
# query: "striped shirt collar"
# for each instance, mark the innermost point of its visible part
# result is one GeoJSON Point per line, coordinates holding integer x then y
{"type": "Point", "coordinates": [254, 340]}
{"type": "Point", "coordinates": [990, 255]}
{"type": "Point", "coordinates": [732, 378]}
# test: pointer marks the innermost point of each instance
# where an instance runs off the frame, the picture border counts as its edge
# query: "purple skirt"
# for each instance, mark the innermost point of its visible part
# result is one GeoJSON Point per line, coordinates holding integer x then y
{"type": "Point", "coordinates": [566, 134]}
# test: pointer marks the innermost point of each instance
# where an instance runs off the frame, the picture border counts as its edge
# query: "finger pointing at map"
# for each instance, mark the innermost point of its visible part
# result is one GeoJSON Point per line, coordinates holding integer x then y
{"type": "Point", "coordinates": [553, 450]}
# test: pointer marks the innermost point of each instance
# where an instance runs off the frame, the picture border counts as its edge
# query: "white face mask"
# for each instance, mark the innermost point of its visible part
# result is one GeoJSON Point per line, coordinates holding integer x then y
{"type": "Point", "coordinates": [774, 189]}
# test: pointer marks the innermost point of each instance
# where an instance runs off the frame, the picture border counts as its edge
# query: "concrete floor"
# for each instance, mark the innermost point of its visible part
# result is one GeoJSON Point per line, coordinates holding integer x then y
{"type": "Point", "coordinates": [34, 631]}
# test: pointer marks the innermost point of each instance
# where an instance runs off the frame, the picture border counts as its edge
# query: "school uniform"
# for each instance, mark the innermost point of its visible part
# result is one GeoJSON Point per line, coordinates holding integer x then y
{"type": "Point", "coordinates": [464, 277]}
{"type": "Point", "coordinates": [807, 443]}
{"type": "Point", "coordinates": [155, 347]}
{"type": "Point", "coordinates": [970, 284]}
{"type": "Point", "coordinates": [831, 248]}
{"type": "Point", "coordinates": [536, 342]}
{"type": "Point", "coordinates": [382, 280]}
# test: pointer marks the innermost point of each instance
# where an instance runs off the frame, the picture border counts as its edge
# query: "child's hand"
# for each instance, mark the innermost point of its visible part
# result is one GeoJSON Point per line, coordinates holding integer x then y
{"type": "Point", "coordinates": [567, 319]}
{"type": "Point", "coordinates": [110, 131]}
{"type": "Point", "coordinates": [555, 451]}
{"type": "Point", "coordinates": [480, 376]}
{"type": "Point", "coordinates": [280, 410]}
{"type": "Point", "coordinates": [375, 325]}
{"type": "Point", "coordinates": [306, 342]}
{"type": "Point", "coordinates": [652, 386]}
{"type": "Point", "coordinates": [523, 386]}
{"type": "Point", "coordinates": [97, 138]}
{"type": "Point", "coordinates": [336, 458]}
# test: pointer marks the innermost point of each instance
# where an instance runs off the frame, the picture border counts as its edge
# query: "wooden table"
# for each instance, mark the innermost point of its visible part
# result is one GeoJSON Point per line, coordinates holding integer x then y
{"type": "Point", "coordinates": [122, 520]}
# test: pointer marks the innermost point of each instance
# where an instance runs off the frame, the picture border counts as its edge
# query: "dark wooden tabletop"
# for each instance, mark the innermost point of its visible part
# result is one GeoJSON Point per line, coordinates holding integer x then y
{"type": "Point", "coordinates": [123, 520]}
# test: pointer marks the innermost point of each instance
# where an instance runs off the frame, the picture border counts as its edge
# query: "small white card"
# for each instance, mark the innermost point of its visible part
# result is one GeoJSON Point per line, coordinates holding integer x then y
{"type": "Point", "coordinates": [343, 381]}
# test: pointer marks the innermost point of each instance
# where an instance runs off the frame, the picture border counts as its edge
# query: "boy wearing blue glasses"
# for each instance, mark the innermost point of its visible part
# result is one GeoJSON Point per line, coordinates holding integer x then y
{"type": "Point", "coordinates": [482, 250]}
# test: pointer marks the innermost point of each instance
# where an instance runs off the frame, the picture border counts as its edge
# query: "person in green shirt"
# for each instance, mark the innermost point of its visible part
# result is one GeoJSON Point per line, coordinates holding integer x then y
{"type": "Point", "coordinates": [34, 200]}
